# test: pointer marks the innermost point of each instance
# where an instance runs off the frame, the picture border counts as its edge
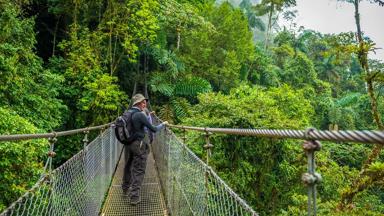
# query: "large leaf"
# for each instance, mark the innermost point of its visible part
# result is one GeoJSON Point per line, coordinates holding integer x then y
{"type": "Point", "coordinates": [160, 83]}
{"type": "Point", "coordinates": [166, 113]}
{"type": "Point", "coordinates": [180, 107]}
{"type": "Point", "coordinates": [256, 22]}
{"type": "Point", "coordinates": [348, 99]}
{"type": "Point", "coordinates": [192, 86]}
{"type": "Point", "coordinates": [169, 60]}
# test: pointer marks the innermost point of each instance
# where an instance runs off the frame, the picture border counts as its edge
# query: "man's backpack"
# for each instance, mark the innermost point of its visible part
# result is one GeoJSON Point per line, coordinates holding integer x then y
{"type": "Point", "coordinates": [124, 127]}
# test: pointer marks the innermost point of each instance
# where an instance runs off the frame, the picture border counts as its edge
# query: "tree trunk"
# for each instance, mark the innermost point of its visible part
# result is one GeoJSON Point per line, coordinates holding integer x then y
{"type": "Point", "coordinates": [100, 7]}
{"type": "Point", "coordinates": [134, 88]}
{"type": "Point", "coordinates": [110, 50]}
{"type": "Point", "coordinates": [178, 30]}
{"type": "Point", "coordinates": [133, 93]}
{"type": "Point", "coordinates": [363, 59]}
{"type": "Point", "coordinates": [269, 26]}
{"type": "Point", "coordinates": [357, 20]}
{"type": "Point", "coordinates": [146, 91]}
{"type": "Point", "coordinates": [75, 16]}
{"type": "Point", "coordinates": [178, 40]}
{"type": "Point", "coordinates": [115, 62]}
{"type": "Point", "coordinates": [374, 110]}
{"type": "Point", "coordinates": [54, 36]}
{"type": "Point", "coordinates": [146, 95]}
{"type": "Point", "coordinates": [110, 6]}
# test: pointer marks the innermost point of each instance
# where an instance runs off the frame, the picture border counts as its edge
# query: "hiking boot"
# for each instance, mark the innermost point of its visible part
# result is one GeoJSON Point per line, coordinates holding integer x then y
{"type": "Point", "coordinates": [135, 200]}
{"type": "Point", "coordinates": [126, 191]}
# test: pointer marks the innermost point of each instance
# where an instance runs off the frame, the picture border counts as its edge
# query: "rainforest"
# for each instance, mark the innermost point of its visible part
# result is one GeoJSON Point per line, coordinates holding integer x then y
{"type": "Point", "coordinates": [67, 64]}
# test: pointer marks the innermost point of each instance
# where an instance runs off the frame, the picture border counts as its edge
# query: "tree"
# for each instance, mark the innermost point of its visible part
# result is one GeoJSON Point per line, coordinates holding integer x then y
{"type": "Point", "coordinates": [253, 20]}
{"type": "Point", "coordinates": [179, 18]}
{"type": "Point", "coordinates": [26, 86]}
{"type": "Point", "coordinates": [270, 7]}
{"type": "Point", "coordinates": [254, 167]}
{"type": "Point", "coordinates": [22, 161]}
{"type": "Point", "coordinates": [299, 71]}
{"type": "Point", "coordinates": [217, 54]}
{"type": "Point", "coordinates": [362, 50]}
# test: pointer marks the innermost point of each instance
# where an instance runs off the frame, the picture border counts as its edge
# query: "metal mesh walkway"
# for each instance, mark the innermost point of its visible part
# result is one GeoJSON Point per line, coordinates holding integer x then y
{"type": "Point", "coordinates": [152, 201]}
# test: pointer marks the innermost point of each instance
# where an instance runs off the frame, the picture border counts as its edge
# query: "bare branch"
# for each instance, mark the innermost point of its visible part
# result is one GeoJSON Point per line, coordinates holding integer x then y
{"type": "Point", "coordinates": [380, 2]}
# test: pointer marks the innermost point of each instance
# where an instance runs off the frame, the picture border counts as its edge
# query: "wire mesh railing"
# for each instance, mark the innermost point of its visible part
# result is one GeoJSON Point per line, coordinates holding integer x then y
{"type": "Point", "coordinates": [311, 144]}
{"type": "Point", "coordinates": [78, 186]}
{"type": "Point", "coordinates": [190, 186]}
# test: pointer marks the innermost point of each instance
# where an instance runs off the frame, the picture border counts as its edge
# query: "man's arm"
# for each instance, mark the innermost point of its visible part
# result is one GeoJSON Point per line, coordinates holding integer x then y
{"type": "Point", "coordinates": [144, 120]}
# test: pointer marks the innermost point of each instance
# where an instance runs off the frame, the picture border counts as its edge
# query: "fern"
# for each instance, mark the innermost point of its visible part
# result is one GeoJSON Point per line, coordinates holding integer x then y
{"type": "Point", "coordinates": [192, 87]}
{"type": "Point", "coordinates": [270, 77]}
{"type": "Point", "coordinates": [180, 108]}
{"type": "Point", "coordinates": [380, 77]}
{"type": "Point", "coordinates": [380, 91]}
{"type": "Point", "coordinates": [159, 83]}
{"type": "Point", "coordinates": [348, 100]}
{"type": "Point", "coordinates": [256, 22]}
{"type": "Point", "coordinates": [166, 113]}
{"type": "Point", "coordinates": [169, 60]}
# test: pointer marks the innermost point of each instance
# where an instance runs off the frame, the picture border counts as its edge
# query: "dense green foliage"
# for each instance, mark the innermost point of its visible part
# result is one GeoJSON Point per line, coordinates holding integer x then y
{"type": "Point", "coordinates": [21, 162]}
{"type": "Point", "coordinates": [71, 64]}
{"type": "Point", "coordinates": [238, 158]}
{"type": "Point", "coordinates": [26, 86]}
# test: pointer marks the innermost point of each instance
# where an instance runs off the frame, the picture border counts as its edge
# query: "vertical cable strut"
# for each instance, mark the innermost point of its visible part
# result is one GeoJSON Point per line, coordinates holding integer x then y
{"type": "Point", "coordinates": [85, 140]}
{"type": "Point", "coordinates": [207, 147]}
{"type": "Point", "coordinates": [184, 135]}
{"type": "Point", "coordinates": [311, 178]}
{"type": "Point", "coordinates": [51, 154]}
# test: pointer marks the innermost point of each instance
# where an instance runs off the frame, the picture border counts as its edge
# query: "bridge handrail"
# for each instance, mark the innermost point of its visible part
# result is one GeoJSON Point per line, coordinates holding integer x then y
{"type": "Point", "coordinates": [364, 136]}
{"type": "Point", "coordinates": [76, 187]}
{"type": "Point", "coordinates": [15, 137]}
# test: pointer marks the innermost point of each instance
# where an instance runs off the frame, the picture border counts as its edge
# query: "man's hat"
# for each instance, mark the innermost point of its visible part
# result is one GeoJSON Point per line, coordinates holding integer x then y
{"type": "Point", "coordinates": [137, 98]}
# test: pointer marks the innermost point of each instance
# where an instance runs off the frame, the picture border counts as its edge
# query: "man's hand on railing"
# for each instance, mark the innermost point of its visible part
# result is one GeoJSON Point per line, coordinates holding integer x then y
{"type": "Point", "coordinates": [166, 123]}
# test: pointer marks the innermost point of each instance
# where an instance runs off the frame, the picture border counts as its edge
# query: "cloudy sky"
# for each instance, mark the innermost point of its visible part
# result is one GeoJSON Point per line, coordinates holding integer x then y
{"type": "Point", "coordinates": [332, 16]}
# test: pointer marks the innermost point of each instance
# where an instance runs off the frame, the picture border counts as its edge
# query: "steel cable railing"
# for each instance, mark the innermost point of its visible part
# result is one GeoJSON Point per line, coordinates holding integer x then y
{"type": "Point", "coordinates": [78, 186]}
{"type": "Point", "coordinates": [311, 134]}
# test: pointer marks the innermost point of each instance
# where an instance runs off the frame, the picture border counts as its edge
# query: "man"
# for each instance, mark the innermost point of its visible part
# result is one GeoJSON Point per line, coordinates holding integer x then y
{"type": "Point", "coordinates": [136, 153]}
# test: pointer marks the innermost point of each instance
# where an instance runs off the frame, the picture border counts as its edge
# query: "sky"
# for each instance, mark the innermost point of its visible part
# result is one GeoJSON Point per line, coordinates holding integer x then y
{"type": "Point", "coordinates": [332, 16]}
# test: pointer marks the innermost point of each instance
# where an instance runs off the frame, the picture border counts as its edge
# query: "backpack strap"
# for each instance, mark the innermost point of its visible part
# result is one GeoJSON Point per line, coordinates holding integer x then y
{"type": "Point", "coordinates": [133, 112]}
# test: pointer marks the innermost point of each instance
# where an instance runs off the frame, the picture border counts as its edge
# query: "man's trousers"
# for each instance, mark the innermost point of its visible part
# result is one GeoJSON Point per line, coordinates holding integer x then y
{"type": "Point", "coordinates": [135, 163]}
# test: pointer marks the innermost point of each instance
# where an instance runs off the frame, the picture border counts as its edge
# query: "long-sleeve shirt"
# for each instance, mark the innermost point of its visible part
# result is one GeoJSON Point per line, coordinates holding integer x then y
{"type": "Point", "coordinates": [139, 122]}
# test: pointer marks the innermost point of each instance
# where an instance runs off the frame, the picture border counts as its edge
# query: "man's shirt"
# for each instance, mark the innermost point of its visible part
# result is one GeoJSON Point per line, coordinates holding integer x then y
{"type": "Point", "coordinates": [140, 122]}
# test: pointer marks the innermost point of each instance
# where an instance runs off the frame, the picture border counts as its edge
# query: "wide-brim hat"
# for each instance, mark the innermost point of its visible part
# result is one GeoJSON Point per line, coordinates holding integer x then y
{"type": "Point", "coordinates": [137, 98]}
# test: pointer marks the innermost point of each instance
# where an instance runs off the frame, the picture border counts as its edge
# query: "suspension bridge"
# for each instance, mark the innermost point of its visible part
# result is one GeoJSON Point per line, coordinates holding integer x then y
{"type": "Point", "coordinates": [177, 182]}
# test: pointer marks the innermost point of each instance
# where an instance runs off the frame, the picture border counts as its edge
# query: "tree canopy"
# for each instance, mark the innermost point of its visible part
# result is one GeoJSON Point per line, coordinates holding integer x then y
{"type": "Point", "coordinates": [71, 64]}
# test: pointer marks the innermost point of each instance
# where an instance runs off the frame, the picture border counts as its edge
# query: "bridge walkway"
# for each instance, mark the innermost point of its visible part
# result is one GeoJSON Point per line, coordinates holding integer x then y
{"type": "Point", "coordinates": [152, 200]}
